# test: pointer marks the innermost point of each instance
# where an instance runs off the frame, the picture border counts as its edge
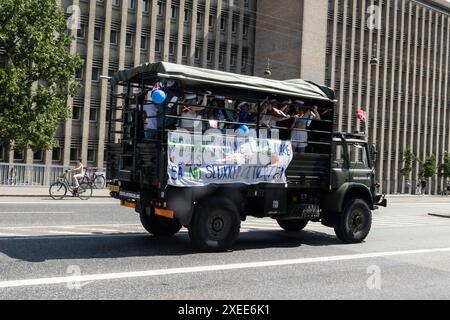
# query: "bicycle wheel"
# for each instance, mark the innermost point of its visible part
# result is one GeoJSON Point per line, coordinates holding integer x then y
{"type": "Point", "coordinates": [99, 182]}
{"type": "Point", "coordinates": [57, 190]}
{"type": "Point", "coordinates": [84, 191]}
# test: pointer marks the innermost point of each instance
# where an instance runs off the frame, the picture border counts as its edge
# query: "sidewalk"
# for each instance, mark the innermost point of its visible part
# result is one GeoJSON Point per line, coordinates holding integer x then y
{"type": "Point", "coordinates": [41, 192]}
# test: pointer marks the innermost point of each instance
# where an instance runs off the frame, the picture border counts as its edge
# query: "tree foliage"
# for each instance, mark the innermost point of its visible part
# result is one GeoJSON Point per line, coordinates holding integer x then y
{"type": "Point", "coordinates": [444, 167]}
{"type": "Point", "coordinates": [408, 158]}
{"type": "Point", "coordinates": [37, 74]}
{"type": "Point", "coordinates": [427, 168]}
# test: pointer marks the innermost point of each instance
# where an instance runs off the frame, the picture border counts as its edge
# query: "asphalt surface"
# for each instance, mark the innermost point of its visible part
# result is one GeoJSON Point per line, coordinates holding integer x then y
{"type": "Point", "coordinates": [45, 243]}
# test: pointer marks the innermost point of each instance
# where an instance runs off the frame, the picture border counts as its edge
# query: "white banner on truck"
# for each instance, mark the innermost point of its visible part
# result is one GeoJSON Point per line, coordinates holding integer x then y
{"type": "Point", "coordinates": [215, 158]}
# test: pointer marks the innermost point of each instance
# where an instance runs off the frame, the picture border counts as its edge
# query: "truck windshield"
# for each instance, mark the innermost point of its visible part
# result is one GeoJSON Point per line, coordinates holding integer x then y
{"type": "Point", "coordinates": [357, 154]}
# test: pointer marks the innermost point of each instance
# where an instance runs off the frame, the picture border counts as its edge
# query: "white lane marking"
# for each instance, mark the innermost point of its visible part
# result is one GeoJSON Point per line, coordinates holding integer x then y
{"type": "Point", "coordinates": [81, 202]}
{"type": "Point", "coordinates": [75, 236]}
{"type": "Point", "coordinates": [38, 212]}
{"type": "Point", "coordinates": [66, 232]}
{"type": "Point", "coordinates": [248, 265]}
{"type": "Point", "coordinates": [75, 226]}
{"type": "Point", "coordinates": [2, 234]}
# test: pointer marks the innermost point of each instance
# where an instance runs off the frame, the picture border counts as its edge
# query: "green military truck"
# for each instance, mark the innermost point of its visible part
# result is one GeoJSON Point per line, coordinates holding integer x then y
{"type": "Point", "coordinates": [209, 183]}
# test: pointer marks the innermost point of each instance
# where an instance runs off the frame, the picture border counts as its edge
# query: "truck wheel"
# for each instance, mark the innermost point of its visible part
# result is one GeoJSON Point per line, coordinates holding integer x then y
{"type": "Point", "coordinates": [158, 226]}
{"type": "Point", "coordinates": [354, 222]}
{"type": "Point", "coordinates": [215, 225]}
{"type": "Point", "coordinates": [293, 225]}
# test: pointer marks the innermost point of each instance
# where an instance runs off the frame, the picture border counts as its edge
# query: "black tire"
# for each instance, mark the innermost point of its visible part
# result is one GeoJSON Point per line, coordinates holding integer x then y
{"type": "Point", "coordinates": [215, 225]}
{"type": "Point", "coordinates": [293, 225]}
{"type": "Point", "coordinates": [354, 222]}
{"type": "Point", "coordinates": [100, 182]}
{"type": "Point", "coordinates": [158, 226]}
{"type": "Point", "coordinates": [84, 191]}
{"type": "Point", "coordinates": [57, 190]}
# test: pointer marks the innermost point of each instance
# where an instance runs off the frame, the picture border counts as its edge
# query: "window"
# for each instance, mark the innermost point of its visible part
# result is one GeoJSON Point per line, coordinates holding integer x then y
{"type": "Point", "coordinates": [76, 113]}
{"type": "Point", "coordinates": [2, 153]}
{"type": "Point", "coordinates": [114, 37]}
{"type": "Point", "coordinates": [245, 29]}
{"type": "Point", "coordinates": [116, 3]}
{"type": "Point", "coordinates": [184, 52]}
{"type": "Point", "coordinates": [233, 60]}
{"type": "Point", "coordinates": [357, 155]}
{"type": "Point", "coordinates": [158, 44]}
{"type": "Point", "coordinates": [221, 57]}
{"type": "Point", "coordinates": [91, 155]}
{"type": "Point", "coordinates": [38, 156]}
{"type": "Point", "coordinates": [95, 74]}
{"type": "Point", "coordinates": [199, 18]}
{"type": "Point", "coordinates": [129, 40]}
{"type": "Point", "coordinates": [56, 154]}
{"type": "Point", "coordinates": [197, 53]}
{"type": "Point", "coordinates": [93, 114]}
{"type": "Point", "coordinates": [171, 48]}
{"type": "Point", "coordinates": [244, 62]}
{"type": "Point", "coordinates": [160, 9]}
{"type": "Point", "coordinates": [131, 4]}
{"type": "Point", "coordinates": [18, 155]}
{"type": "Point", "coordinates": [222, 24]}
{"type": "Point", "coordinates": [187, 15]}
{"type": "Point", "coordinates": [81, 32]}
{"type": "Point", "coordinates": [3, 61]}
{"type": "Point", "coordinates": [145, 5]}
{"type": "Point", "coordinates": [74, 154]}
{"type": "Point", "coordinates": [174, 12]}
{"type": "Point", "coordinates": [211, 21]}
{"type": "Point", "coordinates": [79, 74]}
{"type": "Point", "coordinates": [234, 26]}
{"type": "Point", "coordinates": [98, 34]}
{"type": "Point", "coordinates": [209, 55]}
{"type": "Point", "coordinates": [144, 43]}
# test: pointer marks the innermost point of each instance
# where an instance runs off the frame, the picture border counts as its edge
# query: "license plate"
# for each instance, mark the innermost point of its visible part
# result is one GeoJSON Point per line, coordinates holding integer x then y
{"type": "Point", "coordinates": [113, 188]}
{"type": "Point", "coordinates": [164, 213]}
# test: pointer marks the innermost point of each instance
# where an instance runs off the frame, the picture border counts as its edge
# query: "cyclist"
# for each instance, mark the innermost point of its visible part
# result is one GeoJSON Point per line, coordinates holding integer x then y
{"type": "Point", "coordinates": [78, 174]}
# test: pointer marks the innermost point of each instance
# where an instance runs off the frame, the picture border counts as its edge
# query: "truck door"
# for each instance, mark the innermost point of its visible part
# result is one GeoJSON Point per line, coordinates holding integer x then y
{"type": "Point", "coordinates": [360, 168]}
{"type": "Point", "coordinates": [339, 165]}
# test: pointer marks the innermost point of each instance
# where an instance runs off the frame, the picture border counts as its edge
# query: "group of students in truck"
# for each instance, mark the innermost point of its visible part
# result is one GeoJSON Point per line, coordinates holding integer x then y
{"type": "Point", "coordinates": [285, 120]}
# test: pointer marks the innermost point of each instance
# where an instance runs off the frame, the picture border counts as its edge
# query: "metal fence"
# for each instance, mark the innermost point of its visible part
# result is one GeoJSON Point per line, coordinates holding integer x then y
{"type": "Point", "coordinates": [14, 174]}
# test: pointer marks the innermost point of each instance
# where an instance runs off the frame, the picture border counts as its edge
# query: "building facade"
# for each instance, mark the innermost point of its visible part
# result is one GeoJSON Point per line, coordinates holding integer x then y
{"type": "Point", "coordinates": [113, 35]}
{"type": "Point", "coordinates": [388, 57]}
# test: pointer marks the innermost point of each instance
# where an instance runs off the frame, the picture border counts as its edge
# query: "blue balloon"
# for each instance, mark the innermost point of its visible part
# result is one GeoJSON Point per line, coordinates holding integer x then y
{"type": "Point", "coordinates": [242, 131]}
{"type": "Point", "coordinates": [158, 96]}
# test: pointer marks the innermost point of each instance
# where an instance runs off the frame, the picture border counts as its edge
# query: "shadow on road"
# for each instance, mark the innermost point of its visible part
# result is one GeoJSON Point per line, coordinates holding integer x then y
{"type": "Point", "coordinates": [39, 248]}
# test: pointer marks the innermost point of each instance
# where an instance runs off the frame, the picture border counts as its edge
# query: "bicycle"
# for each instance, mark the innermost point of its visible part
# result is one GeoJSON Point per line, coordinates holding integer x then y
{"type": "Point", "coordinates": [96, 181]}
{"type": "Point", "coordinates": [58, 189]}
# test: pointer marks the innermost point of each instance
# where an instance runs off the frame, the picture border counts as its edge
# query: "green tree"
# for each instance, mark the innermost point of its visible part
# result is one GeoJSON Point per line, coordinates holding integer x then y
{"type": "Point", "coordinates": [408, 158]}
{"type": "Point", "coordinates": [427, 168]}
{"type": "Point", "coordinates": [444, 167]}
{"type": "Point", "coordinates": [37, 73]}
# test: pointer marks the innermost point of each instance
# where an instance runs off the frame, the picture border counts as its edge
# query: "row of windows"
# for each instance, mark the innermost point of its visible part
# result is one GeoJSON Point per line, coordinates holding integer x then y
{"type": "Point", "coordinates": [96, 71]}
{"type": "Point", "coordinates": [98, 32]}
{"type": "Point", "coordinates": [38, 156]}
{"type": "Point", "coordinates": [131, 4]}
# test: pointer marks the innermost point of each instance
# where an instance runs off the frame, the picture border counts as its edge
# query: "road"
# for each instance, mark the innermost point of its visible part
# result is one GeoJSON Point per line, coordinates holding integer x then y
{"type": "Point", "coordinates": [44, 244]}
